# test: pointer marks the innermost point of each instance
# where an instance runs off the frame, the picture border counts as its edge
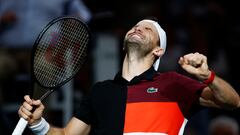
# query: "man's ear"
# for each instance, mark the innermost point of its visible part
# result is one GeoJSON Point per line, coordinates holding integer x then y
{"type": "Point", "coordinates": [157, 51]}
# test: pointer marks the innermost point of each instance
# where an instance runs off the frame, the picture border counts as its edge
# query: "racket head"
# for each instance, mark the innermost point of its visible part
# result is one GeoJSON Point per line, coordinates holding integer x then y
{"type": "Point", "coordinates": [59, 51]}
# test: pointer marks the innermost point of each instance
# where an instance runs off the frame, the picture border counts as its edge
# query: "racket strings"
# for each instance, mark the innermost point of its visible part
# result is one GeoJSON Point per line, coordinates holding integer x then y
{"type": "Point", "coordinates": [60, 52]}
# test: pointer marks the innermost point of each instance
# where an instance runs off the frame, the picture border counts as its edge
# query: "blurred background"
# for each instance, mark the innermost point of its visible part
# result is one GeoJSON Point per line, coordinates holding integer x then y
{"type": "Point", "coordinates": [211, 27]}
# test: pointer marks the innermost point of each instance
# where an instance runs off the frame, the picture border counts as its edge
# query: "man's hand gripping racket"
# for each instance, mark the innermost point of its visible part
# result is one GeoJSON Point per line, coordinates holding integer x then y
{"type": "Point", "coordinates": [57, 55]}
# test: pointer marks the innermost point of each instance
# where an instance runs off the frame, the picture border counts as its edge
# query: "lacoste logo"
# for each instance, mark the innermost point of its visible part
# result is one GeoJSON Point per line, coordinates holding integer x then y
{"type": "Point", "coordinates": [152, 90]}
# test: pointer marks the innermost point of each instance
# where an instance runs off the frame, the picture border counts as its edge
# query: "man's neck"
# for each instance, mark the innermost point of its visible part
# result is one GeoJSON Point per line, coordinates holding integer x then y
{"type": "Point", "coordinates": [133, 67]}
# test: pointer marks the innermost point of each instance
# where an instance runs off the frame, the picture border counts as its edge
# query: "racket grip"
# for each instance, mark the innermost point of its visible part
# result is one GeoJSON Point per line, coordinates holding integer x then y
{"type": "Point", "coordinates": [21, 125]}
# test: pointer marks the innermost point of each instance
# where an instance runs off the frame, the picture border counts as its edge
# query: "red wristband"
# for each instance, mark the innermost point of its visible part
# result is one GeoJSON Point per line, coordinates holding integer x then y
{"type": "Point", "coordinates": [210, 79]}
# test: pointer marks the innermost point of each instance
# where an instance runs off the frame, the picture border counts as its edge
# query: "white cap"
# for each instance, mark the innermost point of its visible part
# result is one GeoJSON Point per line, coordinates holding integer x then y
{"type": "Point", "coordinates": [162, 38]}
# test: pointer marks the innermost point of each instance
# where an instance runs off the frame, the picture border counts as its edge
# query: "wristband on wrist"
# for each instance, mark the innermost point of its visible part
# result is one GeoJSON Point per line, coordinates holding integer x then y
{"type": "Point", "coordinates": [41, 128]}
{"type": "Point", "coordinates": [210, 79]}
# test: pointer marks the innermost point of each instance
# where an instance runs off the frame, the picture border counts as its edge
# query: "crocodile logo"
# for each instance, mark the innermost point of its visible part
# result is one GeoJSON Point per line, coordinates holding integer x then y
{"type": "Point", "coordinates": [152, 90]}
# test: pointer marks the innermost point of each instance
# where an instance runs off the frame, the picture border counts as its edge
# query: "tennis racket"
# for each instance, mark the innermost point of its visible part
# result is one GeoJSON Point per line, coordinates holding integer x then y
{"type": "Point", "coordinates": [58, 53]}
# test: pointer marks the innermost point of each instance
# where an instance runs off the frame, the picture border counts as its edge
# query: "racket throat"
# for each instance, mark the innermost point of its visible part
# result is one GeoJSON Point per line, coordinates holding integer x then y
{"type": "Point", "coordinates": [46, 94]}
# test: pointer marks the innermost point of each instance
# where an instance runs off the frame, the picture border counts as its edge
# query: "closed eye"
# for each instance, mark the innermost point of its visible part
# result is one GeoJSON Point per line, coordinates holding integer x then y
{"type": "Point", "coordinates": [148, 28]}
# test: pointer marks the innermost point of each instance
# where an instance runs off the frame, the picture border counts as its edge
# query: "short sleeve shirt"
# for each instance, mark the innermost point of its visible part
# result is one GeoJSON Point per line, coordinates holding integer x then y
{"type": "Point", "coordinates": [151, 103]}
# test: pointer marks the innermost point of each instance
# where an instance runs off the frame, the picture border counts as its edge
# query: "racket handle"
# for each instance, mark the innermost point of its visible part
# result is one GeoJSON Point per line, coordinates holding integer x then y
{"type": "Point", "coordinates": [21, 125]}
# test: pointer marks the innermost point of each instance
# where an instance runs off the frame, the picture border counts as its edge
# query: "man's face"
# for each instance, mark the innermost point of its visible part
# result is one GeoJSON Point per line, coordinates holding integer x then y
{"type": "Point", "coordinates": [143, 37]}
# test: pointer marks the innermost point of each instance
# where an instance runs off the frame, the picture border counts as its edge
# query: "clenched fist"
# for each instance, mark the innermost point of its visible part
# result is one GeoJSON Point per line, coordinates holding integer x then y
{"type": "Point", "coordinates": [195, 64]}
{"type": "Point", "coordinates": [26, 110]}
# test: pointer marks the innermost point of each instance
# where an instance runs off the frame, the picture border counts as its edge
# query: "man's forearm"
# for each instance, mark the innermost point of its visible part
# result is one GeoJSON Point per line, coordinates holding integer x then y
{"type": "Point", "coordinates": [224, 93]}
{"type": "Point", "coordinates": [56, 131]}
{"type": "Point", "coordinates": [74, 127]}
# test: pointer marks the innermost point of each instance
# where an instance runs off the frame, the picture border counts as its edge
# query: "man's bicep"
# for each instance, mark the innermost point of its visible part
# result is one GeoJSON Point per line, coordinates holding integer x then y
{"type": "Point", "coordinates": [77, 127]}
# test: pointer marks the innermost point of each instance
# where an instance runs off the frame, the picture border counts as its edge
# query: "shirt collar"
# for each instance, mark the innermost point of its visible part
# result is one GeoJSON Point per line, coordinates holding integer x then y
{"type": "Point", "coordinates": [147, 75]}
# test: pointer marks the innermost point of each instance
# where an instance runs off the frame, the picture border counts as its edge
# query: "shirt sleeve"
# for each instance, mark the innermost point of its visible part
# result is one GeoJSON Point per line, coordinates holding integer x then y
{"type": "Point", "coordinates": [84, 111]}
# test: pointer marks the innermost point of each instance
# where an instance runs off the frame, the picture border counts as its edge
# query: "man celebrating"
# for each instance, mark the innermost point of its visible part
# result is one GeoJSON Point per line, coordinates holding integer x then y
{"type": "Point", "coordinates": [140, 100]}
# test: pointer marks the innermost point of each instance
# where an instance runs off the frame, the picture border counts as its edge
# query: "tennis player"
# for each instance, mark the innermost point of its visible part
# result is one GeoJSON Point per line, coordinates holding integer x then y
{"type": "Point", "coordinates": [140, 100]}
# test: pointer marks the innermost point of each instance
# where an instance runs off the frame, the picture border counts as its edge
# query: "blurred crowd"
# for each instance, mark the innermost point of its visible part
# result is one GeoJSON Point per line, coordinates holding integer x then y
{"type": "Point", "coordinates": [210, 27]}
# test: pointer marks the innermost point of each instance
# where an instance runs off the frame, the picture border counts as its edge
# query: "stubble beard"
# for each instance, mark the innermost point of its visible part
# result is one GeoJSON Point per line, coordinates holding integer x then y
{"type": "Point", "coordinates": [139, 48]}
